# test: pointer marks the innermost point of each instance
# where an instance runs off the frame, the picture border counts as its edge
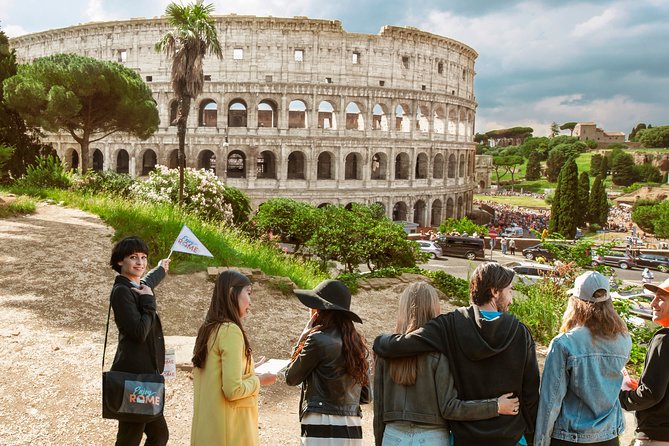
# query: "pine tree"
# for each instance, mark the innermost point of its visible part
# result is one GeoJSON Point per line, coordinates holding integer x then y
{"type": "Point", "coordinates": [603, 206]}
{"type": "Point", "coordinates": [533, 169]}
{"type": "Point", "coordinates": [554, 222]}
{"type": "Point", "coordinates": [594, 214]}
{"type": "Point", "coordinates": [583, 198]}
{"type": "Point", "coordinates": [623, 170]}
{"type": "Point", "coordinates": [604, 168]}
{"type": "Point", "coordinates": [568, 208]}
{"type": "Point", "coordinates": [596, 164]}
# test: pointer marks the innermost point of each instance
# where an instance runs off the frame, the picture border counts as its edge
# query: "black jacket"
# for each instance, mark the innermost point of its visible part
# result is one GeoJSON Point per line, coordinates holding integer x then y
{"type": "Point", "coordinates": [141, 345]}
{"type": "Point", "coordinates": [488, 359]}
{"type": "Point", "coordinates": [326, 387]}
{"type": "Point", "coordinates": [651, 398]}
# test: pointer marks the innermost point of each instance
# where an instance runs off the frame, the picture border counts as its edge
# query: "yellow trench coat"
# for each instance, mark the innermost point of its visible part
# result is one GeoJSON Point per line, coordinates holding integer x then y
{"type": "Point", "coordinates": [225, 402]}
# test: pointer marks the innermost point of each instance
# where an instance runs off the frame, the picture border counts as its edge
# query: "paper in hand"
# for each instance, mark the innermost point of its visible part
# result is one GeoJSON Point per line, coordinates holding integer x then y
{"type": "Point", "coordinates": [273, 366]}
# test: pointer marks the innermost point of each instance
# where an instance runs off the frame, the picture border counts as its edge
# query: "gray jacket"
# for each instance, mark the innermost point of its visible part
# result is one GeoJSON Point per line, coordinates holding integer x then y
{"type": "Point", "coordinates": [326, 388]}
{"type": "Point", "coordinates": [430, 401]}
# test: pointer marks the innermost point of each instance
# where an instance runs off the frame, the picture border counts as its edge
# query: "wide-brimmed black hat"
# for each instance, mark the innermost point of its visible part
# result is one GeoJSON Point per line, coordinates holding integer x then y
{"type": "Point", "coordinates": [328, 295]}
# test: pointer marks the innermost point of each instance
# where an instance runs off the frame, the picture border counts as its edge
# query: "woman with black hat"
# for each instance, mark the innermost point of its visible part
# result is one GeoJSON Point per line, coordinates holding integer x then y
{"type": "Point", "coordinates": [331, 362]}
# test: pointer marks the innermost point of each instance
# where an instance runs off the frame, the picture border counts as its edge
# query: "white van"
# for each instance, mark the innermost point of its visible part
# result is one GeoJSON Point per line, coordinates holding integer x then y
{"type": "Point", "coordinates": [514, 232]}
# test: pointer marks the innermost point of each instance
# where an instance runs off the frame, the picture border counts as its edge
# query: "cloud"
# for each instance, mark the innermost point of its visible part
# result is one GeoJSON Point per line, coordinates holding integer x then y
{"type": "Point", "coordinates": [602, 23]}
{"type": "Point", "coordinates": [14, 30]}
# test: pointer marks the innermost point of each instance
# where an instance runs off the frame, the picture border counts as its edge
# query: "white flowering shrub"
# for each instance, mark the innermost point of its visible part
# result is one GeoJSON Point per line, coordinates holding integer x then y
{"type": "Point", "coordinates": [204, 193]}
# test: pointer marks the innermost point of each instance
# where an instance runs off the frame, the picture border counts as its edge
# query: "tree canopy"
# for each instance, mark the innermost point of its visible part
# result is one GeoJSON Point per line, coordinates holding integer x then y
{"type": "Point", "coordinates": [655, 137]}
{"type": "Point", "coordinates": [569, 126]}
{"type": "Point", "coordinates": [88, 98]}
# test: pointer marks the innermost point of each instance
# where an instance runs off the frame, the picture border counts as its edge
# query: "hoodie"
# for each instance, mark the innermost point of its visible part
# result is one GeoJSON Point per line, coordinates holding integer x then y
{"type": "Point", "coordinates": [488, 358]}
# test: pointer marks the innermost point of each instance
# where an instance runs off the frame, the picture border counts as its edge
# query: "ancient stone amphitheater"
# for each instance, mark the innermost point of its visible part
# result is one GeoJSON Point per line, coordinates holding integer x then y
{"type": "Point", "coordinates": [300, 108]}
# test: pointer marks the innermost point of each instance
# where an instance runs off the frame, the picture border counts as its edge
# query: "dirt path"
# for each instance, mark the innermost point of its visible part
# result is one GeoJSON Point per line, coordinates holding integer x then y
{"type": "Point", "coordinates": [54, 289]}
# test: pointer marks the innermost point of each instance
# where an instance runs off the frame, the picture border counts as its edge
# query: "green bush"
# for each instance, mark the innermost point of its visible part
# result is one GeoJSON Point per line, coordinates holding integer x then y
{"type": "Point", "coordinates": [462, 225]}
{"type": "Point", "coordinates": [47, 172]}
{"type": "Point", "coordinates": [106, 182]}
{"type": "Point", "coordinates": [455, 288]}
{"type": "Point", "coordinates": [541, 308]}
{"type": "Point", "coordinates": [640, 337]}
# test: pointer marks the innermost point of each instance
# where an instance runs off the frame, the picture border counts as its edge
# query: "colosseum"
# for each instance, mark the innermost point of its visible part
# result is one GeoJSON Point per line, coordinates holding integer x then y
{"type": "Point", "coordinates": [300, 108]}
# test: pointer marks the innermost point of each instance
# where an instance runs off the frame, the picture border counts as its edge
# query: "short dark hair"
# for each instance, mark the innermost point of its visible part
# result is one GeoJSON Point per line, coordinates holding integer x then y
{"type": "Point", "coordinates": [487, 277]}
{"type": "Point", "coordinates": [123, 248]}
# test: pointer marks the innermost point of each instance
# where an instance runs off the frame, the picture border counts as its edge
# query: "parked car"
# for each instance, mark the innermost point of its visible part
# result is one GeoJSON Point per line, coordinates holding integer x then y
{"type": "Point", "coordinates": [513, 232]}
{"type": "Point", "coordinates": [469, 247]}
{"type": "Point", "coordinates": [653, 261]}
{"type": "Point", "coordinates": [530, 272]}
{"type": "Point", "coordinates": [540, 250]}
{"type": "Point", "coordinates": [431, 247]}
{"type": "Point", "coordinates": [614, 258]}
{"type": "Point", "coordinates": [632, 240]}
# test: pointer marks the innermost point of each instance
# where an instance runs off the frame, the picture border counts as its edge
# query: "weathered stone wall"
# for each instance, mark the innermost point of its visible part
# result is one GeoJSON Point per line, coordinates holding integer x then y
{"type": "Point", "coordinates": [300, 108]}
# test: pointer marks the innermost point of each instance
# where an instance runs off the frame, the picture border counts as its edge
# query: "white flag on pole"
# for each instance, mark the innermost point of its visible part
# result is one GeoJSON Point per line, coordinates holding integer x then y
{"type": "Point", "coordinates": [188, 243]}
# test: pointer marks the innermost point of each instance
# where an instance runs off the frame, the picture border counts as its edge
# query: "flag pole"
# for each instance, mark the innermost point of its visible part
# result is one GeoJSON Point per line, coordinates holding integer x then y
{"type": "Point", "coordinates": [171, 251]}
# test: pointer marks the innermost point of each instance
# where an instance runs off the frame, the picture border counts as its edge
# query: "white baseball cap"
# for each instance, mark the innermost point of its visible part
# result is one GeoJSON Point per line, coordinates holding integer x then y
{"type": "Point", "coordinates": [587, 284]}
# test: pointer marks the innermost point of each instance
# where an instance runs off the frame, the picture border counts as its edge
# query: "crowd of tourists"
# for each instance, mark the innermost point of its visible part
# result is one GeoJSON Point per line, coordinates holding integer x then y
{"type": "Point", "coordinates": [507, 215]}
{"type": "Point", "coordinates": [469, 377]}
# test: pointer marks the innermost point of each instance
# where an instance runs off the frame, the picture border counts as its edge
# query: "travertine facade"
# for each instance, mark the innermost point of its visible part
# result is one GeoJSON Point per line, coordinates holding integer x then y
{"type": "Point", "coordinates": [299, 108]}
{"type": "Point", "coordinates": [589, 130]}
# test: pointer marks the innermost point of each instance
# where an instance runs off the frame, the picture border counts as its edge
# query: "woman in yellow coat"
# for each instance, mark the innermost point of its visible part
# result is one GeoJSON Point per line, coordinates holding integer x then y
{"type": "Point", "coordinates": [225, 402]}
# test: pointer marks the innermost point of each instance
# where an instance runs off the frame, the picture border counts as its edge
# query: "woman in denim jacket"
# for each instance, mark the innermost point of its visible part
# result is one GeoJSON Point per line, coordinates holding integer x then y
{"type": "Point", "coordinates": [578, 401]}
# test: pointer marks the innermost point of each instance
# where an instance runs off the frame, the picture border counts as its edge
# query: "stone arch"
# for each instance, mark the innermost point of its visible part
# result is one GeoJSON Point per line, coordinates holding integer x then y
{"type": "Point", "coordinates": [173, 160]}
{"type": "Point", "coordinates": [470, 126]}
{"type": "Point", "coordinates": [266, 165]}
{"type": "Point", "coordinates": [461, 167]}
{"type": "Point", "coordinates": [327, 116]}
{"type": "Point", "coordinates": [236, 164]}
{"type": "Point", "coordinates": [422, 119]}
{"type": "Point", "coordinates": [349, 205]}
{"type": "Point", "coordinates": [122, 161]}
{"type": "Point", "coordinates": [421, 166]}
{"type": "Point", "coordinates": [379, 166]}
{"type": "Point", "coordinates": [355, 119]}
{"type": "Point", "coordinates": [419, 212]}
{"type": "Point", "coordinates": [460, 208]}
{"type": "Point", "coordinates": [72, 158]}
{"type": "Point", "coordinates": [438, 166]}
{"type": "Point", "coordinates": [237, 113]}
{"type": "Point", "coordinates": [402, 118]}
{"type": "Point", "coordinates": [268, 113]}
{"type": "Point", "coordinates": [98, 161]}
{"type": "Point", "coordinates": [206, 159]}
{"type": "Point", "coordinates": [450, 208]}
{"type": "Point", "coordinates": [400, 211]}
{"type": "Point", "coordinates": [353, 166]}
{"type": "Point", "coordinates": [295, 165]}
{"type": "Point", "coordinates": [451, 166]}
{"type": "Point", "coordinates": [323, 205]}
{"type": "Point", "coordinates": [207, 113]}
{"type": "Point", "coordinates": [482, 185]}
{"type": "Point", "coordinates": [325, 166]}
{"type": "Point", "coordinates": [452, 122]}
{"type": "Point", "coordinates": [402, 163]}
{"type": "Point", "coordinates": [435, 217]}
{"type": "Point", "coordinates": [462, 128]}
{"type": "Point", "coordinates": [149, 161]}
{"type": "Point", "coordinates": [173, 112]}
{"type": "Point", "coordinates": [297, 115]}
{"type": "Point", "coordinates": [439, 120]}
{"type": "Point", "coordinates": [380, 117]}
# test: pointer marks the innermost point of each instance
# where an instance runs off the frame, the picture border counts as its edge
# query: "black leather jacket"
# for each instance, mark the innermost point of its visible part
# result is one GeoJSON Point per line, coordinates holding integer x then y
{"type": "Point", "coordinates": [326, 388]}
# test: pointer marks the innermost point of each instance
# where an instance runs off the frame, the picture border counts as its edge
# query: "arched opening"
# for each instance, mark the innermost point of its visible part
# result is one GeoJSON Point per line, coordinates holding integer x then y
{"type": "Point", "coordinates": [349, 206]}
{"type": "Point", "coordinates": [452, 122]}
{"type": "Point", "coordinates": [122, 162]}
{"type": "Point", "coordinates": [296, 166]}
{"type": "Point", "coordinates": [439, 119]}
{"type": "Point", "coordinates": [236, 165]}
{"type": "Point", "coordinates": [72, 159]}
{"type": "Point", "coordinates": [400, 211]}
{"type": "Point", "coordinates": [208, 113]}
{"type": "Point", "coordinates": [402, 121]}
{"type": "Point", "coordinates": [419, 213]}
{"type": "Point", "coordinates": [450, 207]}
{"type": "Point", "coordinates": [460, 208]}
{"type": "Point", "coordinates": [327, 118]}
{"type": "Point", "coordinates": [352, 167]}
{"type": "Point", "coordinates": [402, 166]}
{"type": "Point", "coordinates": [379, 118]}
{"type": "Point", "coordinates": [354, 117]}
{"type": "Point", "coordinates": [267, 114]}
{"type": "Point", "coordinates": [323, 205]}
{"type": "Point", "coordinates": [461, 168]}
{"type": "Point", "coordinates": [482, 185]}
{"type": "Point", "coordinates": [173, 162]}
{"type": "Point", "coordinates": [422, 119]}
{"type": "Point", "coordinates": [297, 115]}
{"type": "Point", "coordinates": [421, 166]}
{"type": "Point", "coordinates": [266, 165]}
{"type": "Point", "coordinates": [237, 113]}
{"type": "Point", "coordinates": [206, 160]}
{"type": "Point", "coordinates": [379, 162]}
{"type": "Point", "coordinates": [438, 167]}
{"type": "Point", "coordinates": [451, 166]}
{"type": "Point", "coordinates": [462, 127]}
{"type": "Point", "coordinates": [98, 160]}
{"type": "Point", "coordinates": [149, 161]}
{"type": "Point", "coordinates": [324, 166]}
{"type": "Point", "coordinates": [174, 111]}
{"type": "Point", "coordinates": [435, 218]}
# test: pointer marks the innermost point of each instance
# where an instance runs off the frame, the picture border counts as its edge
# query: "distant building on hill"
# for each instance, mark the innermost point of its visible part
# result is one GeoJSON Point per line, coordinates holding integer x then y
{"type": "Point", "coordinates": [589, 130]}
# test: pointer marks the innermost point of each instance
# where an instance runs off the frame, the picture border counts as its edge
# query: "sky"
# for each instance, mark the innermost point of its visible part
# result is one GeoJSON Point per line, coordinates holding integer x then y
{"type": "Point", "coordinates": [540, 61]}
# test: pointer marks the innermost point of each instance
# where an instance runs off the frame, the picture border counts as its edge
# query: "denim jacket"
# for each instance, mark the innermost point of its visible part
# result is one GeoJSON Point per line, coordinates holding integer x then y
{"type": "Point", "coordinates": [578, 401]}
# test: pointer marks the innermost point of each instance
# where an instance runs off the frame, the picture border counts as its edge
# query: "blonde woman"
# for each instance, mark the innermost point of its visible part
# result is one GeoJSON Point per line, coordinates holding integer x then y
{"type": "Point", "coordinates": [578, 401]}
{"type": "Point", "coordinates": [414, 396]}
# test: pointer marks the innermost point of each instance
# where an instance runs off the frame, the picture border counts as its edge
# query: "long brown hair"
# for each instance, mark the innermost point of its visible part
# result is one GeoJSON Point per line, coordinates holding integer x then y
{"type": "Point", "coordinates": [224, 307]}
{"type": "Point", "coordinates": [354, 349]}
{"type": "Point", "coordinates": [600, 318]}
{"type": "Point", "coordinates": [418, 304]}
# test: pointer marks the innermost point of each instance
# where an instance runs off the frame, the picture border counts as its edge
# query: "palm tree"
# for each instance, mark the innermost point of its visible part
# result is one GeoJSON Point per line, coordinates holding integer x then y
{"type": "Point", "coordinates": [193, 35]}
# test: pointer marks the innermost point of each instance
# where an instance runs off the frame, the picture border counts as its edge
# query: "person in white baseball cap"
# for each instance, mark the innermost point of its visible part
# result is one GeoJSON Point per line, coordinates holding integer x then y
{"type": "Point", "coordinates": [583, 369]}
{"type": "Point", "coordinates": [650, 399]}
